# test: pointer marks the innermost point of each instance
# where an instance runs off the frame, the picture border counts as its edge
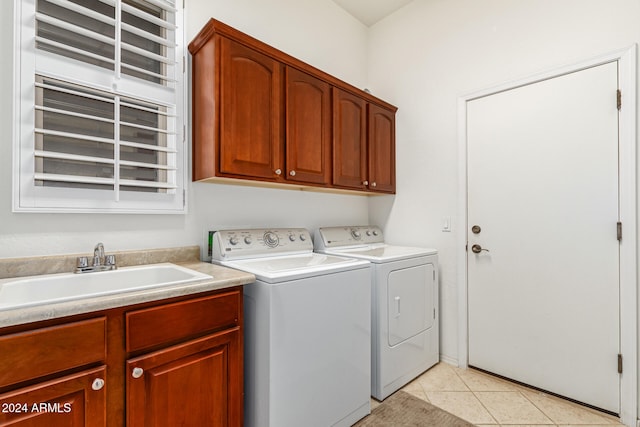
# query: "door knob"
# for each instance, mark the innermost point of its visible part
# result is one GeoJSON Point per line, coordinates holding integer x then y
{"type": "Point", "coordinates": [476, 249]}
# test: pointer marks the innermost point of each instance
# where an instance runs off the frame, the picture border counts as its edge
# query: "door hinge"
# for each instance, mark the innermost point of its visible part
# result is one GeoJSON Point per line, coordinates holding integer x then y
{"type": "Point", "coordinates": [619, 99]}
{"type": "Point", "coordinates": [619, 363]}
{"type": "Point", "coordinates": [434, 275]}
{"type": "Point", "coordinates": [434, 313]}
{"type": "Point", "coordinates": [619, 230]}
{"type": "Point", "coordinates": [184, 197]}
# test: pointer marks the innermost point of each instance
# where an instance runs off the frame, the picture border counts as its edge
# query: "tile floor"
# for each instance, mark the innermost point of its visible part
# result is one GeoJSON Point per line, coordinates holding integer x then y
{"type": "Point", "coordinates": [485, 400]}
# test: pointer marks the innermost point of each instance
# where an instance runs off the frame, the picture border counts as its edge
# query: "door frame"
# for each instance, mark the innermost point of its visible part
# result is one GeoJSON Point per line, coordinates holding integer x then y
{"type": "Point", "coordinates": [626, 59]}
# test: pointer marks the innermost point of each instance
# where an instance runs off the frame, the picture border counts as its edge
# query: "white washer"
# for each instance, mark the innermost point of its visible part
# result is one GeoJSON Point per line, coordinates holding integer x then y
{"type": "Point", "coordinates": [307, 329]}
{"type": "Point", "coordinates": [404, 305]}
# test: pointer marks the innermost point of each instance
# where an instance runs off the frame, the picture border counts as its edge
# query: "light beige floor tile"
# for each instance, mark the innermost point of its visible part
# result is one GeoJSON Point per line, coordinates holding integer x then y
{"type": "Point", "coordinates": [461, 404]}
{"type": "Point", "coordinates": [478, 381]}
{"type": "Point", "coordinates": [511, 408]}
{"type": "Point", "coordinates": [563, 412]}
{"type": "Point", "coordinates": [414, 388]}
{"type": "Point", "coordinates": [441, 377]}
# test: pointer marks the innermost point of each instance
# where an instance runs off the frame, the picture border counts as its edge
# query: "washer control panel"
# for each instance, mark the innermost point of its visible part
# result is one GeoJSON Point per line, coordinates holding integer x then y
{"type": "Point", "coordinates": [259, 242]}
{"type": "Point", "coordinates": [331, 237]}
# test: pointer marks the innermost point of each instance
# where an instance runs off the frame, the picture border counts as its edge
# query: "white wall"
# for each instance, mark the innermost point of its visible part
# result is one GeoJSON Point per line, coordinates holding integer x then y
{"type": "Point", "coordinates": [317, 31]}
{"type": "Point", "coordinates": [437, 50]}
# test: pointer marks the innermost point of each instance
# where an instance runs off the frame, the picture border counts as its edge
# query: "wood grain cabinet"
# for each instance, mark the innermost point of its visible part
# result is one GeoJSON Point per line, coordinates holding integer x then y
{"type": "Point", "coordinates": [262, 115]}
{"type": "Point", "coordinates": [157, 364]}
{"type": "Point", "coordinates": [363, 144]}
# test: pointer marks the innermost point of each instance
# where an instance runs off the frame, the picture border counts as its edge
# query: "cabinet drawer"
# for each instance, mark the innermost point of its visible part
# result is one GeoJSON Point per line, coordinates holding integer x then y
{"type": "Point", "coordinates": [182, 320]}
{"type": "Point", "coordinates": [45, 351]}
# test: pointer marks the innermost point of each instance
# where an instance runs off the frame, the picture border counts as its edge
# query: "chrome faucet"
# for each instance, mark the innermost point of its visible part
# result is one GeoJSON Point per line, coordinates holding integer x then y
{"type": "Point", "coordinates": [101, 262]}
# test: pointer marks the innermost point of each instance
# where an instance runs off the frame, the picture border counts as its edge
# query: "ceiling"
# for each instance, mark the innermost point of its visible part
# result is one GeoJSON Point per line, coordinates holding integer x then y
{"type": "Point", "coordinates": [371, 11]}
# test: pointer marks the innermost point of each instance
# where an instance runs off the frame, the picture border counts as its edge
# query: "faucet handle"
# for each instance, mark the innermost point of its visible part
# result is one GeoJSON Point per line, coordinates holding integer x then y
{"type": "Point", "coordinates": [110, 260]}
{"type": "Point", "coordinates": [82, 262]}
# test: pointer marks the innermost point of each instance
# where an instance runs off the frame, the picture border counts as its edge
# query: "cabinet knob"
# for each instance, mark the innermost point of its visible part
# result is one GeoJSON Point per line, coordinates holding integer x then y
{"type": "Point", "coordinates": [278, 171]}
{"type": "Point", "coordinates": [373, 184]}
{"type": "Point", "coordinates": [97, 384]}
{"type": "Point", "coordinates": [365, 182]}
{"type": "Point", "coordinates": [292, 173]}
{"type": "Point", "coordinates": [137, 372]}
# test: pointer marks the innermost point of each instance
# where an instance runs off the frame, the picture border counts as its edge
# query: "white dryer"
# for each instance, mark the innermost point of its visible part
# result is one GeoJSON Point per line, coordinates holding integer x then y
{"type": "Point", "coordinates": [404, 304]}
{"type": "Point", "coordinates": [307, 322]}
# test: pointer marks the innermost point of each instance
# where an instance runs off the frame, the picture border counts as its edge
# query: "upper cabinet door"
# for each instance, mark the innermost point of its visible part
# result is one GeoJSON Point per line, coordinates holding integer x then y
{"type": "Point", "coordinates": [349, 140]}
{"type": "Point", "coordinates": [251, 140]}
{"type": "Point", "coordinates": [308, 128]}
{"type": "Point", "coordinates": [382, 149]}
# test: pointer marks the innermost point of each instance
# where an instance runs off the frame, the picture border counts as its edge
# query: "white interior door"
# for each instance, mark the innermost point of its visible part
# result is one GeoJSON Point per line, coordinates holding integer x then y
{"type": "Point", "coordinates": [543, 298]}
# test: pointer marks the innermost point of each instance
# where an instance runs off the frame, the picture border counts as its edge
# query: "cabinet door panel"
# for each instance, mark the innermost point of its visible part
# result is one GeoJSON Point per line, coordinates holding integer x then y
{"type": "Point", "coordinates": [308, 127]}
{"type": "Point", "coordinates": [69, 401]}
{"type": "Point", "coordinates": [250, 112]}
{"type": "Point", "coordinates": [382, 149]}
{"type": "Point", "coordinates": [198, 383]}
{"type": "Point", "coordinates": [349, 140]}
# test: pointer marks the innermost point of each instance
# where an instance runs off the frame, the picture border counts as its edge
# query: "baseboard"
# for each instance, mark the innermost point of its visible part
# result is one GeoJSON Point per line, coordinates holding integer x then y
{"type": "Point", "coordinates": [452, 361]}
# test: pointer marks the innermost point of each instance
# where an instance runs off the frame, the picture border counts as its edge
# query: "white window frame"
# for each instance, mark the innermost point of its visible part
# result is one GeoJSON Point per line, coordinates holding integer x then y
{"type": "Point", "coordinates": [27, 197]}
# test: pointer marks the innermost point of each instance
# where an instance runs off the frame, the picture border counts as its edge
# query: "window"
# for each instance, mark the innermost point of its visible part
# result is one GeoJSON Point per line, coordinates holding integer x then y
{"type": "Point", "coordinates": [100, 107]}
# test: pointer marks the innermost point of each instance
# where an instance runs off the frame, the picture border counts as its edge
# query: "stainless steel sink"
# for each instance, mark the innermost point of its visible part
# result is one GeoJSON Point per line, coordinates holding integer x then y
{"type": "Point", "coordinates": [52, 288]}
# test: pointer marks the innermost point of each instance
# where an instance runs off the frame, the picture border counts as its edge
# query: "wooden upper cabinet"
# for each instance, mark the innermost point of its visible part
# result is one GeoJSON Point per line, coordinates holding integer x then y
{"type": "Point", "coordinates": [349, 140]}
{"type": "Point", "coordinates": [250, 112]}
{"type": "Point", "coordinates": [382, 149]}
{"type": "Point", "coordinates": [260, 114]}
{"type": "Point", "coordinates": [308, 128]}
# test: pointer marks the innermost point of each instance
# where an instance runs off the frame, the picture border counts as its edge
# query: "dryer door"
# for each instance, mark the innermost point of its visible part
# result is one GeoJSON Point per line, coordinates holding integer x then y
{"type": "Point", "coordinates": [410, 302]}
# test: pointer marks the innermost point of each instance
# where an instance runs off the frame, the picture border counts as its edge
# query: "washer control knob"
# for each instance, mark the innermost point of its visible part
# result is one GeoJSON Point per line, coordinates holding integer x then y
{"type": "Point", "coordinates": [375, 232]}
{"type": "Point", "coordinates": [292, 237]}
{"type": "Point", "coordinates": [233, 241]}
{"type": "Point", "coordinates": [303, 237]}
{"type": "Point", "coordinates": [248, 240]}
{"type": "Point", "coordinates": [356, 234]}
{"type": "Point", "coordinates": [368, 232]}
{"type": "Point", "coordinates": [271, 239]}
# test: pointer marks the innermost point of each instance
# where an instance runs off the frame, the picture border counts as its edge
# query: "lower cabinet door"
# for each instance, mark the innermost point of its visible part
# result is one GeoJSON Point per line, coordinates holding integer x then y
{"type": "Point", "coordinates": [197, 383]}
{"type": "Point", "coordinates": [71, 401]}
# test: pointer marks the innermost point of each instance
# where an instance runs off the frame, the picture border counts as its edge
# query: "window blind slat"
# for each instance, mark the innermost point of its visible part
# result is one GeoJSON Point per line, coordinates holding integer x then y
{"type": "Point", "coordinates": [149, 184]}
{"type": "Point", "coordinates": [133, 125]}
{"type": "Point", "coordinates": [147, 35]}
{"type": "Point", "coordinates": [73, 114]}
{"type": "Point", "coordinates": [74, 49]}
{"type": "Point", "coordinates": [148, 147]}
{"type": "Point", "coordinates": [73, 178]}
{"type": "Point", "coordinates": [83, 11]}
{"type": "Point", "coordinates": [74, 135]}
{"type": "Point", "coordinates": [83, 94]}
{"type": "Point", "coordinates": [74, 29]}
{"type": "Point", "coordinates": [148, 54]}
{"type": "Point", "coordinates": [148, 17]}
{"type": "Point", "coordinates": [147, 165]}
{"type": "Point", "coordinates": [148, 73]}
{"type": "Point", "coordinates": [65, 156]}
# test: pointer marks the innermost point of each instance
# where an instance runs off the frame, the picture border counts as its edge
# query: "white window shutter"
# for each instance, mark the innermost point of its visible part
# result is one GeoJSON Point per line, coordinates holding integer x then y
{"type": "Point", "coordinates": [106, 92]}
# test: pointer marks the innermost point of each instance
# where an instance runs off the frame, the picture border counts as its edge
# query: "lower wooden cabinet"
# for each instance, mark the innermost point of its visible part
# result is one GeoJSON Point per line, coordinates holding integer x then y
{"type": "Point", "coordinates": [172, 363]}
{"type": "Point", "coordinates": [71, 401]}
{"type": "Point", "coordinates": [191, 384]}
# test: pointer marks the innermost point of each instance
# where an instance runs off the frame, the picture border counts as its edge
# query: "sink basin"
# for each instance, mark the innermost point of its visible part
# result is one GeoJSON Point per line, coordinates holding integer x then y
{"type": "Point", "coordinates": [51, 288]}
